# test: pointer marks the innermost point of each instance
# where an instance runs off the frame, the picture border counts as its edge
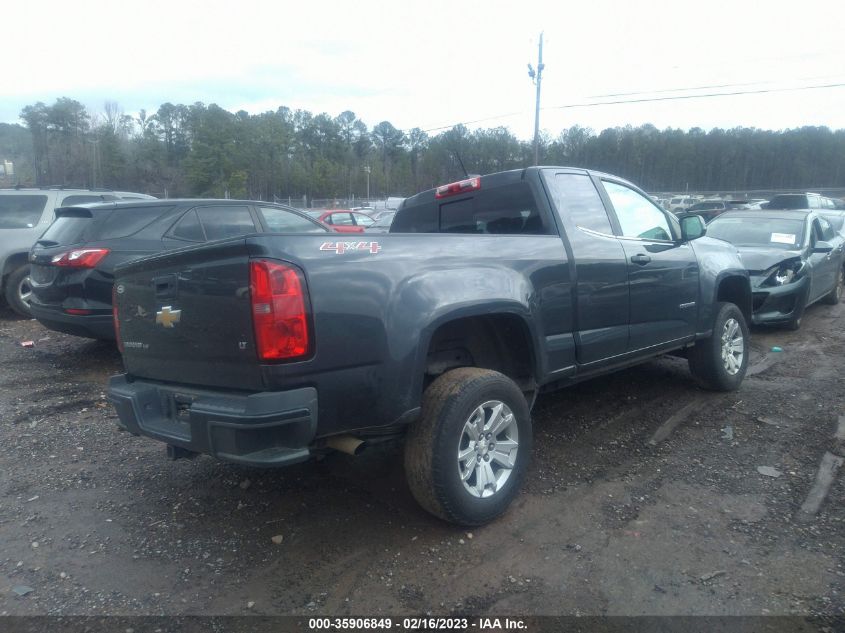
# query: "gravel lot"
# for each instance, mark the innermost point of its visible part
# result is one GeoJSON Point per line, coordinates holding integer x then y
{"type": "Point", "coordinates": [95, 521]}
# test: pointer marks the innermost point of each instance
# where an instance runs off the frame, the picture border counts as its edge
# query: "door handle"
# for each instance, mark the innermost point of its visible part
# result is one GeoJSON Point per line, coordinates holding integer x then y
{"type": "Point", "coordinates": [640, 259]}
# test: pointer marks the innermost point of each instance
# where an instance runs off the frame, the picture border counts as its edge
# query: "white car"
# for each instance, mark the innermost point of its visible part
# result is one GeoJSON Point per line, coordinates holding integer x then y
{"type": "Point", "coordinates": [681, 203]}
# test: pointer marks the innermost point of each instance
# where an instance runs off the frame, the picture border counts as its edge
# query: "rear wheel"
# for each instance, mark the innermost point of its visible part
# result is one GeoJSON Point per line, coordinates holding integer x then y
{"type": "Point", "coordinates": [833, 297]}
{"type": "Point", "coordinates": [19, 291]}
{"type": "Point", "coordinates": [466, 456]}
{"type": "Point", "coordinates": [720, 361]}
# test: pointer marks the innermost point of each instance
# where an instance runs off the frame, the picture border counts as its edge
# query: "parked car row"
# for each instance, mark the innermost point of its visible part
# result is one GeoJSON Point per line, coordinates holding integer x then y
{"type": "Point", "coordinates": [69, 274]}
{"type": "Point", "coordinates": [25, 213]}
{"type": "Point", "coordinates": [474, 322]}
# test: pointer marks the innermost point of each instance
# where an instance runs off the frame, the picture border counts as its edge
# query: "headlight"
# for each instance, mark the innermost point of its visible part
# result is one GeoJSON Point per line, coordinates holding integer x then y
{"type": "Point", "coordinates": [784, 273]}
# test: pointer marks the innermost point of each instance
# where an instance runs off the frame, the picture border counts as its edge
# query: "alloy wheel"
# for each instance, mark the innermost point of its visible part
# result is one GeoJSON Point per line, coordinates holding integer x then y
{"type": "Point", "coordinates": [487, 448]}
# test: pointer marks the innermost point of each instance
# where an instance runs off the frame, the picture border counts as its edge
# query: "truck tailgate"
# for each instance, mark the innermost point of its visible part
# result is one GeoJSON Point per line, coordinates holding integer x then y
{"type": "Point", "coordinates": [186, 317]}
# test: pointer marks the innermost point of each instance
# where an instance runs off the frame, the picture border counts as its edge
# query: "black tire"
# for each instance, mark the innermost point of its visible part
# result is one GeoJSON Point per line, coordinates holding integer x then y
{"type": "Point", "coordinates": [705, 358]}
{"type": "Point", "coordinates": [431, 446]}
{"type": "Point", "coordinates": [832, 298]}
{"type": "Point", "coordinates": [16, 283]}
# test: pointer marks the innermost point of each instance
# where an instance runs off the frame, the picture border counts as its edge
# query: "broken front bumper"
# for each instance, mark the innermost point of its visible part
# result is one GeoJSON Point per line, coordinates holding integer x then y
{"type": "Point", "coordinates": [257, 429]}
{"type": "Point", "coordinates": [778, 304]}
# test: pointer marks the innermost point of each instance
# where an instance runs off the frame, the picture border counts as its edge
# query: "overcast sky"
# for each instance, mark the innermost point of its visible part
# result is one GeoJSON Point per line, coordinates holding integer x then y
{"type": "Point", "coordinates": [435, 63]}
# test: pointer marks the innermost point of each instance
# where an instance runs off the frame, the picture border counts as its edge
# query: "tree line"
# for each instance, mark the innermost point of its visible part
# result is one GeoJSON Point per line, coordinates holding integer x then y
{"type": "Point", "coordinates": [204, 150]}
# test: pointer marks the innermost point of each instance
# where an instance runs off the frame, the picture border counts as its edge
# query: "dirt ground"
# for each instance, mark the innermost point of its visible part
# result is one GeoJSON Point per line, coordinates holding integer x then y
{"type": "Point", "coordinates": [95, 521]}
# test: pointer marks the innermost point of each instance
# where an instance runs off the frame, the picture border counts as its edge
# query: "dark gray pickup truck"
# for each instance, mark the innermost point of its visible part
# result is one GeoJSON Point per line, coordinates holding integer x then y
{"type": "Point", "coordinates": [266, 349]}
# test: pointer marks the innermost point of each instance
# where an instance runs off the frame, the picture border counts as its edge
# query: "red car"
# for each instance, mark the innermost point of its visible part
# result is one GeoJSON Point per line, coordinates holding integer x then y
{"type": "Point", "coordinates": [343, 220]}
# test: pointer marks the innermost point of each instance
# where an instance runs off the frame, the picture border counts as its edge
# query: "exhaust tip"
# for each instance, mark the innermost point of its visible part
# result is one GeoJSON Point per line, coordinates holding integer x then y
{"type": "Point", "coordinates": [346, 444]}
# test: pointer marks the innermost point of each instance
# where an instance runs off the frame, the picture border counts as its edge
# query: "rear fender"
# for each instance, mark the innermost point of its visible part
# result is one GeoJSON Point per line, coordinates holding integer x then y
{"type": "Point", "coordinates": [433, 298]}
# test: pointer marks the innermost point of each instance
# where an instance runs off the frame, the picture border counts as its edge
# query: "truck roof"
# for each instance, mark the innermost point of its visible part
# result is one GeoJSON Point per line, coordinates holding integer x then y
{"type": "Point", "coordinates": [506, 177]}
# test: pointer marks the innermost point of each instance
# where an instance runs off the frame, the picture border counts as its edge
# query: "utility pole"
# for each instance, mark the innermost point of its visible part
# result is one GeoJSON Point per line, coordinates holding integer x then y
{"type": "Point", "coordinates": [367, 171]}
{"type": "Point", "coordinates": [537, 77]}
{"type": "Point", "coordinates": [95, 161]}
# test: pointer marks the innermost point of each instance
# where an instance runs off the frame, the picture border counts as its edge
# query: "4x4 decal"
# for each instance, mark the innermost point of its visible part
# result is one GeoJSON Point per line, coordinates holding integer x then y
{"type": "Point", "coordinates": [342, 247]}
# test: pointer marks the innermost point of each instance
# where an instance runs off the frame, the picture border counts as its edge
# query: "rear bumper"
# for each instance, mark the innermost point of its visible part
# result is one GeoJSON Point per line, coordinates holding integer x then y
{"type": "Point", "coordinates": [100, 326]}
{"type": "Point", "coordinates": [265, 429]}
{"type": "Point", "coordinates": [779, 303]}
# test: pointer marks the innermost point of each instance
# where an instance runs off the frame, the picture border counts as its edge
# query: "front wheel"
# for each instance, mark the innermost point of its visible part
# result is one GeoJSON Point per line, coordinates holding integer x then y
{"type": "Point", "coordinates": [466, 457]}
{"type": "Point", "coordinates": [720, 361]}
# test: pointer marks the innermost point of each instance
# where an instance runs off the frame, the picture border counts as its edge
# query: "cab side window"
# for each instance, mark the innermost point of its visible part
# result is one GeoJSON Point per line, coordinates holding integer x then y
{"type": "Point", "coordinates": [575, 196]}
{"type": "Point", "coordinates": [637, 215]}
{"type": "Point", "coordinates": [226, 221]}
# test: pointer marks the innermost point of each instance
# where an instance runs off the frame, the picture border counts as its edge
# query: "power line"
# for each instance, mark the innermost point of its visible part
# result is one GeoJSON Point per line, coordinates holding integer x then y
{"type": "Point", "coordinates": [489, 118]}
{"type": "Point", "coordinates": [709, 87]}
{"type": "Point", "coordinates": [644, 100]}
{"type": "Point", "coordinates": [699, 96]}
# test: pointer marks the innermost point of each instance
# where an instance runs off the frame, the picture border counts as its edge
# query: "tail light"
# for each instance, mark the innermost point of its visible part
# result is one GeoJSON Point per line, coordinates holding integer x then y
{"type": "Point", "coordinates": [80, 258]}
{"type": "Point", "coordinates": [278, 299]}
{"type": "Point", "coordinates": [116, 320]}
{"type": "Point", "coordinates": [455, 188]}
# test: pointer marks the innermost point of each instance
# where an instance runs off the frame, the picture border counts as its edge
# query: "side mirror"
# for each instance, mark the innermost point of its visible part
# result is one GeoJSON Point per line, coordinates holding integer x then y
{"type": "Point", "coordinates": [822, 247]}
{"type": "Point", "coordinates": [692, 227]}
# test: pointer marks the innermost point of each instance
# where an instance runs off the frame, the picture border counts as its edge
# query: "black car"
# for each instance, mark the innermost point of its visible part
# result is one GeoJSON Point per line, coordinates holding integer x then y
{"type": "Point", "coordinates": [72, 265]}
{"type": "Point", "coordinates": [795, 258]}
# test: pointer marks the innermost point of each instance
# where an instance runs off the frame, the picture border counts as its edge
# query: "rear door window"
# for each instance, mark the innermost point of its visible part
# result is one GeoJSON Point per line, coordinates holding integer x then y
{"type": "Point", "coordinates": [21, 212]}
{"type": "Point", "coordinates": [221, 222]}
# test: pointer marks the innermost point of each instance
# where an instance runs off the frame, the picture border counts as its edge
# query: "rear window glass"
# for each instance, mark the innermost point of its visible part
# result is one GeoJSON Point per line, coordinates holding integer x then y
{"type": "Point", "coordinates": [67, 230]}
{"type": "Point", "coordinates": [21, 212]}
{"type": "Point", "coordinates": [222, 222]}
{"type": "Point", "coordinates": [126, 222]}
{"type": "Point", "coordinates": [789, 202]}
{"type": "Point", "coordinates": [505, 210]}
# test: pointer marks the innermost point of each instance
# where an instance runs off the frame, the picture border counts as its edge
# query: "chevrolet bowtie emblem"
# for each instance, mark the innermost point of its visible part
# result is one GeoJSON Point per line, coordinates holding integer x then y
{"type": "Point", "coordinates": [167, 316]}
